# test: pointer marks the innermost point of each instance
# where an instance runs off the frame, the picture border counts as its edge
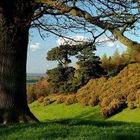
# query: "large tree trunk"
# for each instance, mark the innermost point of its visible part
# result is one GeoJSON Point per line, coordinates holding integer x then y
{"type": "Point", "coordinates": [14, 30]}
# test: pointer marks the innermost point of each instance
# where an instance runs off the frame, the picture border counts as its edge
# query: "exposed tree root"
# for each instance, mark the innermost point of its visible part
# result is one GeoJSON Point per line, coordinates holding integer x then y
{"type": "Point", "coordinates": [32, 117]}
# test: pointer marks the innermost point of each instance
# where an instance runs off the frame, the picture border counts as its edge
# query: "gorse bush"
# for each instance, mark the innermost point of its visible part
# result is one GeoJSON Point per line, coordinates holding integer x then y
{"type": "Point", "coordinates": [61, 99]}
{"type": "Point", "coordinates": [94, 100]}
{"type": "Point", "coordinates": [71, 99]}
{"type": "Point", "coordinates": [46, 101]}
{"type": "Point", "coordinates": [41, 99]}
{"type": "Point", "coordinates": [123, 89]}
{"type": "Point", "coordinates": [89, 94]}
{"type": "Point", "coordinates": [115, 93]}
{"type": "Point", "coordinates": [66, 99]}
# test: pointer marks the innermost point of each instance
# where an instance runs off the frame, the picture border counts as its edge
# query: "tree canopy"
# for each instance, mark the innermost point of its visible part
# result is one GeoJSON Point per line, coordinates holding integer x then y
{"type": "Point", "coordinates": [92, 16]}
{"type": "Point", "coordinates": [65, 78]}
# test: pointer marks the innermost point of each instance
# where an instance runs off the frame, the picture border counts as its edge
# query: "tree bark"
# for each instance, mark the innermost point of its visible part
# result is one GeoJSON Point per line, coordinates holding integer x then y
{"type": "Point", "coordinates": [126, 41]}
{"type": "Point", "coordinates": [14, 28]}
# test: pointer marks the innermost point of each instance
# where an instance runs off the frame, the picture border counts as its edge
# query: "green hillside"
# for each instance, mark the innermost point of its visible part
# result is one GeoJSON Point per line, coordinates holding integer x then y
{"type": "Point", "coordinates": [61, 111]}
{"type": "Point", "coordinates": [75, 111]}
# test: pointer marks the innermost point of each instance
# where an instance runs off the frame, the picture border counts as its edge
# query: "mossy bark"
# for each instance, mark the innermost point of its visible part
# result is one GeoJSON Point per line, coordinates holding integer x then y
{"type": "Point", "coordinates": [14, 28]}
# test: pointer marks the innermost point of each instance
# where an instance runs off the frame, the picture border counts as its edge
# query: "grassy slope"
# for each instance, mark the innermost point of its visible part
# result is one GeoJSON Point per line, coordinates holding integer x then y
{"type": "Point", "coordinates": [61, 111]}
{"type": "Point", "coordinates": [75, 123]}
{"type": "Point", "coordinates": [75, 111]}
{"type": "Point", "coordinates": [127, 115]}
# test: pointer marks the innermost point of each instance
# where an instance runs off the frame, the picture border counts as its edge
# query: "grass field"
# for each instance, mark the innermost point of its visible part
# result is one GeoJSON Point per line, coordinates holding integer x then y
{"type": "Point", "coordinates": [74, 122]}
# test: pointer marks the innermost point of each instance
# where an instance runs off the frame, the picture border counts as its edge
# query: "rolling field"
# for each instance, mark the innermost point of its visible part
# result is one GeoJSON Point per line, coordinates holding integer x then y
{"type": "Point", "coordinates": [74, 122]}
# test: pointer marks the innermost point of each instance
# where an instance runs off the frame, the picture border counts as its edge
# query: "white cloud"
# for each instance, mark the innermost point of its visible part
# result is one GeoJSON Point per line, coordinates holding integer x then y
{"type": "Point", "coordinates": [110, 42]}
{"type": "Point", "coordinates": [34, 46]}
{"type": "Point", "coordinates": [103, 41]}
{"type": "Point", "coordinates": [71, 40]}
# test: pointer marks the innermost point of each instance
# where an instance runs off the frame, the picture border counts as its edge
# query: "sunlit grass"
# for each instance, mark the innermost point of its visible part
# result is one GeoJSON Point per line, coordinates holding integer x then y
{"type": "Point", "coordinates": [75, 111]}
{"type": "Point", "coordinates": [127, 115]}
{"type": "Point", "coordinates": [61, 111]}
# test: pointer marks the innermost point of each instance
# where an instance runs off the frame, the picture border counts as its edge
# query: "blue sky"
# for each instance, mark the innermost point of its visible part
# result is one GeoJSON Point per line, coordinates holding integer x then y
{"type": "Point", "coordinates": [38, 48]}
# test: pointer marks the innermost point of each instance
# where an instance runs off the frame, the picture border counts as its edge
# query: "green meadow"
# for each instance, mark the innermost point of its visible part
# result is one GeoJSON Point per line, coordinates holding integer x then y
{"type": "Point", "coordinates": [74, 122]}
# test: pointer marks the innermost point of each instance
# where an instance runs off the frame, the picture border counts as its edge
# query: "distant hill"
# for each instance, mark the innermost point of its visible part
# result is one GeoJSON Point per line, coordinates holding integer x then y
{"type": "Point", "coordinates": [34, 77]}
{"type": "Point", "coordinates": [36, 74]}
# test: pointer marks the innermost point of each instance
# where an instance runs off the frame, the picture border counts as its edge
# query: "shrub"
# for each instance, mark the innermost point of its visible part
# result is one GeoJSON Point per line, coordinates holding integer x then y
{"type": "Point", "coordinates": [93, 101]}
{"type": "Point", "coordinates": [60, 99]}
{"type": "Point", "coordinates": [31, 96]}
{"type": "Point", "coordinates": [46, 101]}
{"type": "Point", "coordinates": [138, 102]}
{"type": "Point", "coordinates": [138, 98]}
{"type": "Point", "coordinates": [130, 105]}
{"type": "Point", "coordinates": [71, 99]}
{"type": "Point", "coordinates": [89, 94]}
{"type": "Point", "coordinates": [41, 88]}
{"type": "Point", "coordinates": [85, 101]}
{"type": "Point", "coordinates": [114, 107]}
{"type": "Point", "coordinates": [41, 99]}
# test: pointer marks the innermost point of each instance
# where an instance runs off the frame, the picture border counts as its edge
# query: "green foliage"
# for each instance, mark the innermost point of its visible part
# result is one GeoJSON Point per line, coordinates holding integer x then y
{"type": "Point", "coordinates": [62, 54]}
{"type": "Point", "coordinates": [65, 79]}
{"type": "Point", "coordinates": [60, 79]}
{"type": "Point", "coordinates": [89, 64]}
{"type": "Point", "coordinates": [114, 64]}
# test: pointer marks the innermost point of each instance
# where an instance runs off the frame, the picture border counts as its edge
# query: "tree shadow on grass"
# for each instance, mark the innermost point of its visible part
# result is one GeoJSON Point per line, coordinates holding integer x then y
{"type": "Point", "coordinates": [88, 118]}
{"type": "Point", "coordinates": [75, 122]}
{"type": "Point", "coordinates": [72, 129]}
{"type": "Point", "coordinates": [88, 125]}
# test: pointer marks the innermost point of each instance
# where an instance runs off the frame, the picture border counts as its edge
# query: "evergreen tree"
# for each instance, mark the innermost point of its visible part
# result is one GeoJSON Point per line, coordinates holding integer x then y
{"type": "Point", "coordinates": [60, 79]}
{"type": "Point", "coordinates": [89, 64]}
